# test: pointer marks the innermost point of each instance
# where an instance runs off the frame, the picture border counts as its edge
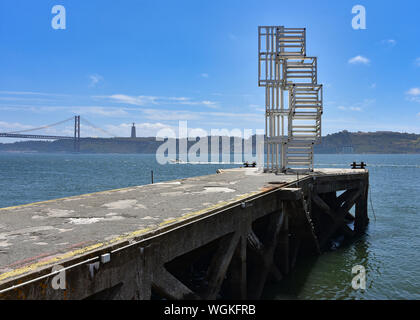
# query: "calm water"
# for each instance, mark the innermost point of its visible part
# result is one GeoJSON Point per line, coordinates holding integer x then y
{"type": "Point", "coordinates": [390, 251]}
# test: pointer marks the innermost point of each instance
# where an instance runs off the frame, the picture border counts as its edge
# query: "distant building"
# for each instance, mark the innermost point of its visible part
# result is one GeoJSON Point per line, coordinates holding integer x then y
{"type": "Point", "coordinates": [133, 131]}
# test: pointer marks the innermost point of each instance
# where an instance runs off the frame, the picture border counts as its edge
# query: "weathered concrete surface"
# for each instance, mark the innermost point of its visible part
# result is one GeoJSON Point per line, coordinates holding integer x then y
{"type": "Point", "coordinates": [45, 233]}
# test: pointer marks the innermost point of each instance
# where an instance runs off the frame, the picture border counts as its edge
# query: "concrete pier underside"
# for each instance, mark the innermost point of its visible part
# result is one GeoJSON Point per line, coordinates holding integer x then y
{"type": "Point", "coordinates": [216, 236]}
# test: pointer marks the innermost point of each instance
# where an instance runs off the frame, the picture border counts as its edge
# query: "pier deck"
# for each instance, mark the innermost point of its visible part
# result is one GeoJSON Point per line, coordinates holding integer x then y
{"type": "Point", "coordinates": [152, 234]}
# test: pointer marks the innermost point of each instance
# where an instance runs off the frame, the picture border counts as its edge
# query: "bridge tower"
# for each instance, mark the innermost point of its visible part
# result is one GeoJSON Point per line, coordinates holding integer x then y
{"type": "Point", "coordinates": [293, 99]}
{"type": "Point", "coordinates": [76, 133]}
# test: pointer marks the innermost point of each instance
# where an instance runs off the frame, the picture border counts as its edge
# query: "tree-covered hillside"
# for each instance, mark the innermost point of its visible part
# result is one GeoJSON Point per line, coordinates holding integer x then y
{"type": "Point", "coordinates": [369, 142]}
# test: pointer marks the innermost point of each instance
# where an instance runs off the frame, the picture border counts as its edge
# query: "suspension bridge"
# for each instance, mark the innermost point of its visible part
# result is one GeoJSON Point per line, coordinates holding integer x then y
{"type": "Point", "coordinates": [23, 134]}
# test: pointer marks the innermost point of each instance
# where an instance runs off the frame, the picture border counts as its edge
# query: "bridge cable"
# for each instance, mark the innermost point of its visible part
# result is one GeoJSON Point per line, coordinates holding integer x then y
{"type": "Point", "coordinates": [43, 127]}
{"type": "Point", "coordinates": [90, 124]}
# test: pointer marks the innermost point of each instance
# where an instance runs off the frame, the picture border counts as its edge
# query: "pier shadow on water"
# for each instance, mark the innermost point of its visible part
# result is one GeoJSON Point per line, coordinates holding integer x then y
{"type": "Point", "coordinates": [325, 277]}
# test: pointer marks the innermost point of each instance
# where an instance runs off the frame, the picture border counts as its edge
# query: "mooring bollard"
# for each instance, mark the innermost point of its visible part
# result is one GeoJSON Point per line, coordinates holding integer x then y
{"type": "Point", "coordinates": [355, 165]}
{"type": "Point", "coordinates": [247, 164]}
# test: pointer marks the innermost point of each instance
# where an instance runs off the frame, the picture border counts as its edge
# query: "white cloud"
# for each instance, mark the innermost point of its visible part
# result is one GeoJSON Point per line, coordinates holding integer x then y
{"type": "Point", "coordinates": [231, 36]}
{"type": "Point", "coordinates": [359, 60]}
{"type": "Point", "coordinates": [205, 75]}
{"type": "Point", "coordinates": [95, 79]}
{"type": "Point", "coordinates": [182, 115]}
{"type": "Point", "coordinates": [134, 100]}
{"type": "Point", "coordinates": [148, 100]}
{"type": "Point", "coordinates": [389, 42]}
{"type": "Point", "coordinates": [207, 103]}
{"type": "Point", "coordinates": [169, 115]}
{"type": "Point", "coordinates": [350, 108]}
{"type": "Point", "coordinates": [257, 107]}
{"type": "Point", "coordinates": [147, 125]}
{"type": "Point", "coordinates": [27, 99]}
{"type": "Point", "coordinates": [179, 98]}
{"type": "Point", "coordinates": [100, 111]}
{"type": "Point", "coordinates": [29, 96]}
{"type": "Point", "coordinates": [373, 86]}
{"type": "Point", "coordinates": [15, 126]}
{"type": "Point", "coordinates": [31, 93]}
{"type": "Point", "coordinates": [359, 106]}
{"type": "Point", "coordinates": [105, 111]}
{"type": "Point", "coordinates": [413, 94]}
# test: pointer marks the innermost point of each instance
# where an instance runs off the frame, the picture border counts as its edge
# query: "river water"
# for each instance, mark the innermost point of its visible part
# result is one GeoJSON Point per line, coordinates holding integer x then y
{"type": "Point", "coordinates": [390, 251]}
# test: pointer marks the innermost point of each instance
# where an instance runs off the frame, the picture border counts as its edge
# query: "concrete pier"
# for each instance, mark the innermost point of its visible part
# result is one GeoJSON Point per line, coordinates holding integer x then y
{"type": "Point", "coordinates": [218, 236]}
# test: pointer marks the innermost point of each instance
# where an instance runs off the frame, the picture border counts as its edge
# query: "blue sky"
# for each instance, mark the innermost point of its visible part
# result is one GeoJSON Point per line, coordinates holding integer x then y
{"type": "Point", "coordinates": [157, 62]}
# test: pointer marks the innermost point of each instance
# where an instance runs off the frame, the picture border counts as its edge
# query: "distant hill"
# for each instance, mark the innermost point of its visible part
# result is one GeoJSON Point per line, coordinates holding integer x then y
{"type": "Point", "coordinates": [369, 142]}
{"type": "Point", "coordinates": [341, 142]}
